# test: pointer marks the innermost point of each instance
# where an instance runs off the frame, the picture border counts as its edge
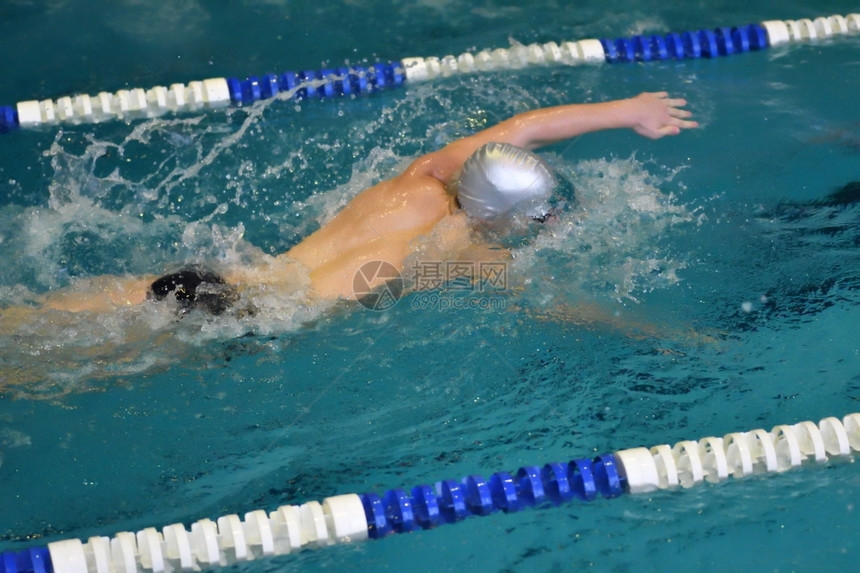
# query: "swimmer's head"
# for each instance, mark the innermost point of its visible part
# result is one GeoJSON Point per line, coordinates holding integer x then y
{"type": "Point", "coordinates": [503, 179]}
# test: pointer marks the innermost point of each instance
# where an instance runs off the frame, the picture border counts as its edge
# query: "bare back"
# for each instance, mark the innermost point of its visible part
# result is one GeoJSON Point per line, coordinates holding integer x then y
{"type": "Point", "coordinates": [380, 224]}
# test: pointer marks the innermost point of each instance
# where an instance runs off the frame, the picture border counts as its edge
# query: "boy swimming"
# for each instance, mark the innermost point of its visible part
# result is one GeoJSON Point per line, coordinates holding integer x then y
{"type": "Point", "coordinates": [485, 176]}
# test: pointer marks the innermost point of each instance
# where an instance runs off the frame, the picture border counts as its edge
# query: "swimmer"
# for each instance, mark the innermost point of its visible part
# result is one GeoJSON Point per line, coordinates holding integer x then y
{"type": "Point", "coordinates": [485, 176]}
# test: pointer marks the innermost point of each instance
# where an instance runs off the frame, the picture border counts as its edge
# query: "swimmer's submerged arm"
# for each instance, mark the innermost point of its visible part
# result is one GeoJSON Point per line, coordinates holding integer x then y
{"type": "Point", "coordinates": [594, 317]}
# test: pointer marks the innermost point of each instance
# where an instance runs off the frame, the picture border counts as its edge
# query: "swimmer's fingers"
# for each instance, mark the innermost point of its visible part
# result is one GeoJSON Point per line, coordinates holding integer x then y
{"type": "Point", "coordinates": [676, 111]}
{"type": "Point", "coordinates": [664, 98]}
{"type": "Point", "coordinates": [665, 130]}
{"type": "Point", "coordinates": [657, 115]}
{"type": "Point", "coordinates": [679, 120]}
{"type": "Point", "coordinates": [673, 127]}
{"type": "Point", "coordinates": [678, 117]}
{"type": "Point", "coordinates": [686, 124]}
{"type": "Point", "coordinates": [675, 108]}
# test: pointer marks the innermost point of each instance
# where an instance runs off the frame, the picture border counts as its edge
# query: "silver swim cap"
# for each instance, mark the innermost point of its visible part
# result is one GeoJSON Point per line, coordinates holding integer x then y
{"type": "Point", "coordinates": [500, 177]}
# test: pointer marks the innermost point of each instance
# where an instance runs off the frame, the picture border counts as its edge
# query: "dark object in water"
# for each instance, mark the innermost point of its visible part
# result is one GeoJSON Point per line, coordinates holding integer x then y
{"type": "Point", "coordinates": [848, 194]}
{"type": "Point", "coordinates": [196, 287]}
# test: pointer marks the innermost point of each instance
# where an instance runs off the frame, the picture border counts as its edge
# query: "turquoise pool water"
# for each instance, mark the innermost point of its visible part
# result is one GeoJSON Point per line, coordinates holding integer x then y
{"type": "Point", "coordinates": [724, 239]}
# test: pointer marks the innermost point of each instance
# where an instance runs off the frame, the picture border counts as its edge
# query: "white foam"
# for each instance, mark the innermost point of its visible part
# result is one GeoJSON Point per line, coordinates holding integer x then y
{"type": "Point", "coordinates": [610, 243]}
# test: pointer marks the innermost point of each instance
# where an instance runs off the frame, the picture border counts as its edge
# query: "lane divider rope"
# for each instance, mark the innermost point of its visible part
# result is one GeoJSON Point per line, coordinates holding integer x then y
{"type": "Point", "coordinates": [352, 517]}
{"type": "Point", "coordinates": [213, 93]}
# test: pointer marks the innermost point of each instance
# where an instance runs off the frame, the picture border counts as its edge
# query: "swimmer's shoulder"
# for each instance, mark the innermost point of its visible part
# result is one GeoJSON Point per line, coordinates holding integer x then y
{"type": "Point", "coordinates": [441, 166]}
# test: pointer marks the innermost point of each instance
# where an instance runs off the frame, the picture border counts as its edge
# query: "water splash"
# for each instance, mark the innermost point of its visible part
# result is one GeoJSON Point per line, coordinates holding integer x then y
{"type": "Point", "coordinates": [611, 243]}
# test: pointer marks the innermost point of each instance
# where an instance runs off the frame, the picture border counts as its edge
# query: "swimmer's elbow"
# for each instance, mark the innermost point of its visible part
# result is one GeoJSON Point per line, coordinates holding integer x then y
{"type": "Point", "coordinates": [522, 131]}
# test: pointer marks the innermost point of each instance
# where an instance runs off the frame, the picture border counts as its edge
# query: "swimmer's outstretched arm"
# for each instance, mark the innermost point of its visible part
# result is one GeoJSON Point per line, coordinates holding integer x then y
{"type": "Point", "coordinates": [652, 115]}
{"type": "Point", "coordinates": [99, 294]}
{"type": "Point", "coordinates": [109, 293]}
{"type": "Point", "coordinates": [96, 295]}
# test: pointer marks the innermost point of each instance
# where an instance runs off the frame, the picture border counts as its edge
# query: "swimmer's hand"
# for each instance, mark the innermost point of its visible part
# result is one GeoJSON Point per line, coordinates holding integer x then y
{"type": "Point", "coordinates": [654, 115]}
